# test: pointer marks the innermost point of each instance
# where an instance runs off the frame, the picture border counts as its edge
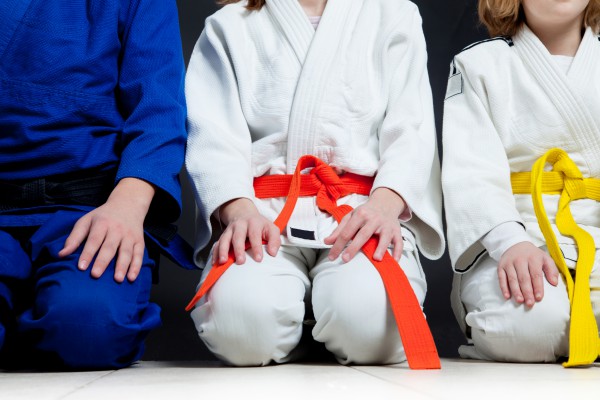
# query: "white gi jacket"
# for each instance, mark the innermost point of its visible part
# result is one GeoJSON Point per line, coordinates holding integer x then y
{"type": "Point", "coordinates": [265, 88]}
{"type": "Point", "coordinates": [508, 102]}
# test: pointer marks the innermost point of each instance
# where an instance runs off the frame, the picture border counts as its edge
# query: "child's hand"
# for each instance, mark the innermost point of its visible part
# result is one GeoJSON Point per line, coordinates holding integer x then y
{"type": "Point", "coordinates": [116, 226]}
{"type": "Point", "coordinates": [245, 222]}
{"type": "Point", "coordinates": [521, 272]}
{"type": "Point", "coordinates": [378, 216]}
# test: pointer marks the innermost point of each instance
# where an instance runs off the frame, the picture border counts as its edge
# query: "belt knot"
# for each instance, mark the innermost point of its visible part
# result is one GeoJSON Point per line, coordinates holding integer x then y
{"type": "Point", "coordinates": [329, 179]}
{"type": "Point", "coordinates": [574, 186]}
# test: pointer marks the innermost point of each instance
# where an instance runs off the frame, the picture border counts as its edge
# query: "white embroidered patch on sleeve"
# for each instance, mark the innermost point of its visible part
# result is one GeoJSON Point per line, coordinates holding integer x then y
{"type": "Point", "coordinates": [455, 85]}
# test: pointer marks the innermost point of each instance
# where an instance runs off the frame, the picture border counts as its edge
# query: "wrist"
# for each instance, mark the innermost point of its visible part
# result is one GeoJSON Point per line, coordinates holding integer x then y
{"type": "Point", "coordinates": [236, 208]}
{"type": "Point", "coordinates": [133, 192]}
{"type": "Point", "coordinates": [388, 200]}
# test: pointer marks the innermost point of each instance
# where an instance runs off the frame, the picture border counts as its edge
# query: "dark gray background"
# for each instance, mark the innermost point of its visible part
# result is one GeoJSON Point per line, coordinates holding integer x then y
{"type": "Point", "coordinates": [449, 26]}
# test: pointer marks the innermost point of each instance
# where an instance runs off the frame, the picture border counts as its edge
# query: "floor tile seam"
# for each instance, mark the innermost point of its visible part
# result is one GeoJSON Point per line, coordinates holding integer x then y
{"type": "Point", "coordinates": [389, 381]}
{"type": "Point", "coordinates": [83, 386]}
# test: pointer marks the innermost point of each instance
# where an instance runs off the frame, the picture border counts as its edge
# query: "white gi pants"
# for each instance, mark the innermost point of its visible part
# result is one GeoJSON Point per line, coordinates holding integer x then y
{"type": "Point", "coordinates": [254, 314]}
{"type": "Point", "coordinates": [504, 330]}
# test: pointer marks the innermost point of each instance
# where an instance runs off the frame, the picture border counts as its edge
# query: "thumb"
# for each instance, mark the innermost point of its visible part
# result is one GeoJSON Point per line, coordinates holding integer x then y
{"type": "Point", "coordinates": [550, 270]}
{"type": "Point", "coordinates": [77, 236]}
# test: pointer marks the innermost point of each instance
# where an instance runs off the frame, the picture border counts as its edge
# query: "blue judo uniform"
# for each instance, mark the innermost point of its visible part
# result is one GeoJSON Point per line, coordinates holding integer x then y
{"type": "Point", "coordinates": [91, 92]}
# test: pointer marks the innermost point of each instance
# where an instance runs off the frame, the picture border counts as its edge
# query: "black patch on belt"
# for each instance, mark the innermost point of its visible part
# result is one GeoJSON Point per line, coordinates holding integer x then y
{"type": "Point", "coordinates": [302, 234]}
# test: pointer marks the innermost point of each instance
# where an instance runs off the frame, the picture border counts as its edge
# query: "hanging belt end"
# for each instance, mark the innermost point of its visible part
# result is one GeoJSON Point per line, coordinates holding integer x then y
{"type": "Point", "coordinates": [425, 361]}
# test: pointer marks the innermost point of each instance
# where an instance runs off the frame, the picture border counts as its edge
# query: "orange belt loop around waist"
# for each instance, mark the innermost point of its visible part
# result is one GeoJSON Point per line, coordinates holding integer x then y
{"type": "Point", "coordinates": [327, 186]}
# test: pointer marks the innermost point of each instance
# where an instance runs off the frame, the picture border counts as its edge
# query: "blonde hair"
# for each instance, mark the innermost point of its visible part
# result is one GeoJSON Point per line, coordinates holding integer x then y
{"type": "Point", "coordinates": [252, 4]}
{"type": "Point", "coordinates": [505, 17]}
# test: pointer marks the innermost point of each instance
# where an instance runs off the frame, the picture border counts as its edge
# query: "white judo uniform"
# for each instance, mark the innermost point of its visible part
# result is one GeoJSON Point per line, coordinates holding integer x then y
{"type": "Point", "coordinates": [508, 102]}
{"type": "Point", "coordinates": [263, 89]}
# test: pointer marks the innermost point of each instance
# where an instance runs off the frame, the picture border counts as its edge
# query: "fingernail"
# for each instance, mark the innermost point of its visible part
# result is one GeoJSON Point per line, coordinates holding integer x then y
{"type": "Point", "coordinates": [538, 296]}
{"type": "Point", "coordinates": [331, 257]}
{"type": "Point", "coordinates": [259, 257]}
{"type": "Point", "coordinates": [119, 276]}
{"type": "Point", "coordinates": [346, 257]}
{"type": "Point", "coordinates": [82, 265]}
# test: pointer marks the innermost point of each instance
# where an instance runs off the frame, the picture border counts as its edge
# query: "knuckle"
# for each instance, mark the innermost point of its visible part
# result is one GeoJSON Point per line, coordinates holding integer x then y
{"type": "Point", "coordinates": [537, 274]}
{"type": "Point", "coordinates": [254, 224]}
{"type": "Point", "coordinates": [122, 265]}
{"type": "Point", "coordinates": [95, 238]}
{"type": "Point", "coordinates": [109, 247]}
{"type": "Point", "coordinates": [237, 226]}
{"type": "Point", "coordinates": [101, 221]}
{"type": "Point", "coordinates": [346, 236]}
{"type": "Point", "coordinates": [238, 236]}
{"type": "Point", "coordinates": [337, 248]}
{"type": "Point", "coordinates": [103, 260]}
{"type": "Point", "coordinates": [389, 235]}
{"type": "Point", "coordinates": [138, 255]}
{"type": "Point", "coordinates": [361, 212]}
{"type": "Point", "coordinates": [224, 247]}
{"type": "Point", "coordinates": [127, 251]}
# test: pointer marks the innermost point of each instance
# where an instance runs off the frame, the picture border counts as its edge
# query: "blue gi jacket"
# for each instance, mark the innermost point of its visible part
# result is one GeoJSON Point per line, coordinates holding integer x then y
{"type": "Point", "coordinates": [92, 86]}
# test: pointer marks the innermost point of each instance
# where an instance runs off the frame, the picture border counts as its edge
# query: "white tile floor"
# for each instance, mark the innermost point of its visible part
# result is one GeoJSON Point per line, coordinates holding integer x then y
{"type": "Point", "coordinates": [458, 379]}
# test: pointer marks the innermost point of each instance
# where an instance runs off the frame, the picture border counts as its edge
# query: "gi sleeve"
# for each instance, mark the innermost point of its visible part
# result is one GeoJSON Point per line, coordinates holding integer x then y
{"type": "Point", "coordinates": [409, 162]}
{"type": "Point", "coordinates": [218, 157]}
{"type": "Point", "coordinates": [476, 173]}
{"type": "Point", "coordinates": [151, 99]}
{"type": "Point", "coordinates": [503, 237]}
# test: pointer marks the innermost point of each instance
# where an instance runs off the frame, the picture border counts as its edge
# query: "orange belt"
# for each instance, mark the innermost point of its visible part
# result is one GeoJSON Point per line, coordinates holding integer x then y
{"type": "Point", "coordinates": [327, 186]}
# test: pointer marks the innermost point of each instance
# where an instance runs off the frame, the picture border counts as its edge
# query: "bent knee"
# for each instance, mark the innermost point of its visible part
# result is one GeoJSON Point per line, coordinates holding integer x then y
{"type": "Point", "coordinates": [250, 327]}
{"type": "Point", "coordinates": [360, 331]}
{"type": "Point", "coordinates": [531, 336]}
{"type": "Point", "coordinates": [250, 335]}
{"type": "Point", "coordinates": [94, 333]}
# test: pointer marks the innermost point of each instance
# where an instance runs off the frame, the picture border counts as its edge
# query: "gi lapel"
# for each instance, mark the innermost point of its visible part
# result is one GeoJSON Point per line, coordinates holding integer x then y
{"type": "Point", "coordinates": [11, 14]}
{"type": "Point", "coordinates": [563, 93]}
{"type": "Point", "coordinates": [584, 77]}
{"type": "Point", "coordinates": [294, 24]}
{"type": "Point", "coordinates": [317, 51]}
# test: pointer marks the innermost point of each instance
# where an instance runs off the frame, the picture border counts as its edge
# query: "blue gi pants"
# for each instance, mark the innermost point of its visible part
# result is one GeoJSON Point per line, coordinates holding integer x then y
{"type": "Point", "coordinates": [63, 315]}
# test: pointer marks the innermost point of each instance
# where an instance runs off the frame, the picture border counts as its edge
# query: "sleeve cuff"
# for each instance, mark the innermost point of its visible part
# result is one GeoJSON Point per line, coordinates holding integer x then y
{"type": "Point", "coordinates": [503, 237]}
{"type": "Point", "coordinates": [406, 214]}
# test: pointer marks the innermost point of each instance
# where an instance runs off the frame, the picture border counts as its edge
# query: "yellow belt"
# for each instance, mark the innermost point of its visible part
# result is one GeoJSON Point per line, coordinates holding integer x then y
{"type": "Point", "coordinates": [566, 180]}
